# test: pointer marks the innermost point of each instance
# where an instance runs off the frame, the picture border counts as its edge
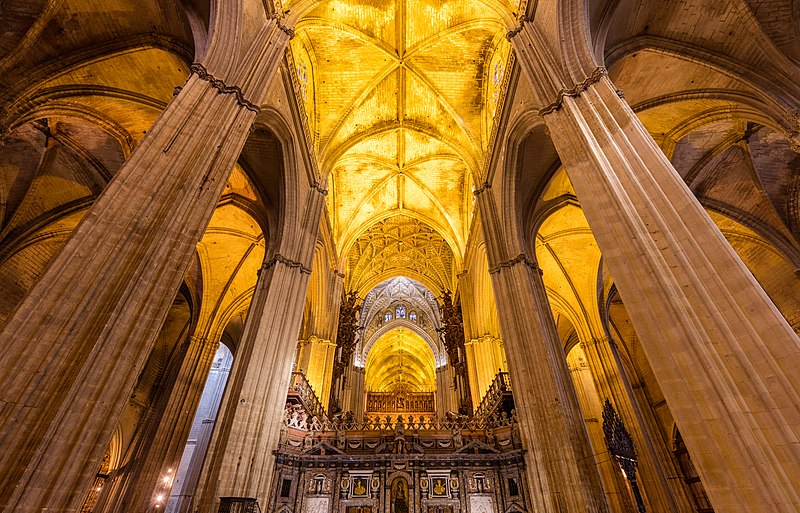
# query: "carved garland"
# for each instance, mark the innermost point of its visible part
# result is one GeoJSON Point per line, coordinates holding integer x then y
{"type": "Point", "coordinates": [203, 74]}
{"type": "Point", "coordinates": [574, 91]}
{"type": "Point", "coordinates": [521, 258]}
{"type": "Point", "coordinates": [278, 258]}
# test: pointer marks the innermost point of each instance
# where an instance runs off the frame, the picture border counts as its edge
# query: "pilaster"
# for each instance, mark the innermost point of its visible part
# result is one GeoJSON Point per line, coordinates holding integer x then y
{"type": "Point", "coordinates": [614, 485]}
{"type": "Point", "coordinates": [662, 488]}
{"type": "Point", "coordinates": [159, 444]}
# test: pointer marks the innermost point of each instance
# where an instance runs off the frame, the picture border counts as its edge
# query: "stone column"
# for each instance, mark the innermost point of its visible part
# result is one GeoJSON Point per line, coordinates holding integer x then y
{"type": "Point", "coordinates": [662, 487]}
{"type": "Point", "coordinates": [241, 459]}
{"type": "Point", "coordinates": [188, 470]}
{"type": "Point", "coordinates": [159, 444]}
{"type": "Point", "coordinates": [724, 356]}
{"type": "Point", "coordinates": [561, 472]}
{"type": "Point", "coordinates": [619, 499]}
{"type": "Point", "coordinates": [72, 350]}
{"type": "Point", "coordinates": [476, 386]}
{"type": "Point", "coordinates": [319, 367]}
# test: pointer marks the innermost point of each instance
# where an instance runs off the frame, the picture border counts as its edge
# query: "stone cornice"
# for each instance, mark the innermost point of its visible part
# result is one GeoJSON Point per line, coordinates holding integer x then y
{"type": "Point", "coordinates": [574, 91]}
{"type": "Point", "coordinates": [521, 258]}
{"type": "Point", "coordinates": [279, 259]}
{"type": "Point", "coordinates": [203, 74]}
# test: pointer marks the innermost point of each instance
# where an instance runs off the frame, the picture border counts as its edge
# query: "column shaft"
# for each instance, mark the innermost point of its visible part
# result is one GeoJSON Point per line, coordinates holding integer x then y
{"type": "Point", "coordinates": [240, 462]}
{"type": "Point", "coordinates": [73, 348]}
{"type": "Point", "coordinates": [723, 354]}
{"type": "Point", "coordinates": [661, 486]}
{"type": "Point", "coordinates": [562, 475]}
{"type": "Point", "coordinates": [610, 474]}
{"type": "Point", "coordinates": [161, 441]}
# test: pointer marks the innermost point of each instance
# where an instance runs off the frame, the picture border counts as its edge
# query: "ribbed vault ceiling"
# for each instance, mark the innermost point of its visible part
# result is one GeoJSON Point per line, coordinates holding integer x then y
{"type": "Point", "coordinates": [400, 97]}
{"type": "Point", "coordinates": [400, 361]}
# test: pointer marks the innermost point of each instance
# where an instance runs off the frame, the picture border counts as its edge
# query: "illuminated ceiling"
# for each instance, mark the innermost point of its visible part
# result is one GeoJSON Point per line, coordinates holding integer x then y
{"type": "Point", "coordinates": [400, 360]}
{"type": "Point", "coordinates": [400, 98]}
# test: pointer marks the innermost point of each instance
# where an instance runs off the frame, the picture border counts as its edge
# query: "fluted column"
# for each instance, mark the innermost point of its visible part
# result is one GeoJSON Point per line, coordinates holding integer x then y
{"type": "Point", "coordinates": [240, 462]}
{"type": "Point", "coordinates": [616, 490]}
{"type": "Point", "coordinates": [162, 438]}
{"type": "Point", "coordinates": [561, 472]}
{"type": "Point", "coordinates": [188, 470]}
{"type": "Point", "coordinates": [724, 356]}
{"type": "Point", "coordinates": [73, 348]}
{"type": "Point", "coordinates": [662, 487]}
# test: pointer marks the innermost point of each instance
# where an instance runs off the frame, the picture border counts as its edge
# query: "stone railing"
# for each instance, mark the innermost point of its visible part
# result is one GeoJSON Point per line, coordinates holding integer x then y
{"type": "Point", "coordinates": [300, 386]}
{"type": "Point", "coordinates": [501, 385]}
{"type": "Point", "coordinates": [401, 402]}
{"type": "Point", "coordinates": [450, 422]}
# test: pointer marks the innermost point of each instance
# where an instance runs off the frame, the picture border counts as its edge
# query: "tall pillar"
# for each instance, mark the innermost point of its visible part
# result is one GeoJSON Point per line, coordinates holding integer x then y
{"type": "Point", "coordinates": [240, 461]}
{"type": "Point", "coordinates": [319, 367]}
{"type": "Point", "coordinates": [662, 488]}
{"type": "Point", "coordinates": [188, 470]}
{"type": "Point", "coordinates": [73, 348]}
{"type": "Point", "coordinates": [724, 356]}
{"type": "Point", "coordinates": [616, 489]}
{"type": "Point", "coordinates": [159, 444]}
{"type": "Point", "coordinates": [561, 472]}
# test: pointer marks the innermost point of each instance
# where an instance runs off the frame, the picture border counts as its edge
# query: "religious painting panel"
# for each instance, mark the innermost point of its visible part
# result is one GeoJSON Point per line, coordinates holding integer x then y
{"type": "Point", "coordinates": [399, 497]}
{"type": "Point", "coordinates": [439, 487]}
{"type": "Point", "coordinates": [317, 504]}
{"type": "Point", "coordinates": [481, 504]}
{"type": "Point", "coordinates": [360, 487]}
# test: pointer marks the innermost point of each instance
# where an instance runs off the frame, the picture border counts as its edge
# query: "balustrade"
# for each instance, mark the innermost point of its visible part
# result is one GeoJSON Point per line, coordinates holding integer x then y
{"type": "Point", "coordinates": [499, 388]}
{"type": "Point", "coordinates": [300, 386]}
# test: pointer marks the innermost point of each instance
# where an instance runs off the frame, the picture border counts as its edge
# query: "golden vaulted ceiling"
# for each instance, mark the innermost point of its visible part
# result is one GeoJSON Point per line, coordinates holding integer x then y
{"type": "Point", "coordinates": [400, 98]}
{"type": "Point", "coordinates": [400, 360]}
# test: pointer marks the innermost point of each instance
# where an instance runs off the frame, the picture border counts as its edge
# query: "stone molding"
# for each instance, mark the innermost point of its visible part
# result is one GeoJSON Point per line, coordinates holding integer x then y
{"type": "Point", "coordinates": [203, 74]}
{"type": "Point", "coordinates": [574, 91]}
{"type": "Point", "coordinates": [484, 187]}
{"type": "Point", "coordinates": [280, 259]}
{"type": "Point", "coordinates": [521, 258]}
{"type": "Point", "coordinates": [317, 187]}
{"type": "Point", "coordinates": [279, 17]}
{"type": "Point", "coordinates": [522, 21]}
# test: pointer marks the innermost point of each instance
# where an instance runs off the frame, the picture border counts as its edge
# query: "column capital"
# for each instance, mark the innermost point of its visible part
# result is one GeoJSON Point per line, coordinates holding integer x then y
{"type": "Point", "coordinates": [316, 186]}
{"type": "Point", "coordinates": [574, 91]}
{"type": "Point", "coordinates": [523, 19]}
{"type": "Point", "coordinates": [218, 84]}
{"type": "Point", "coordinates": [280, 21]}
{"type": "Point", "coordinates": [521, 258]}
{"type": "Point", "coordinates": [280, 259]}
{"type": "Point", "coordinates": [485, 186]}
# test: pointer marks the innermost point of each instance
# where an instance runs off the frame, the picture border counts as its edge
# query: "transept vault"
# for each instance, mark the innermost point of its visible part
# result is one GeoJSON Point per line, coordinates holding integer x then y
{"type": "Point", "coordinates": [440, 256]}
